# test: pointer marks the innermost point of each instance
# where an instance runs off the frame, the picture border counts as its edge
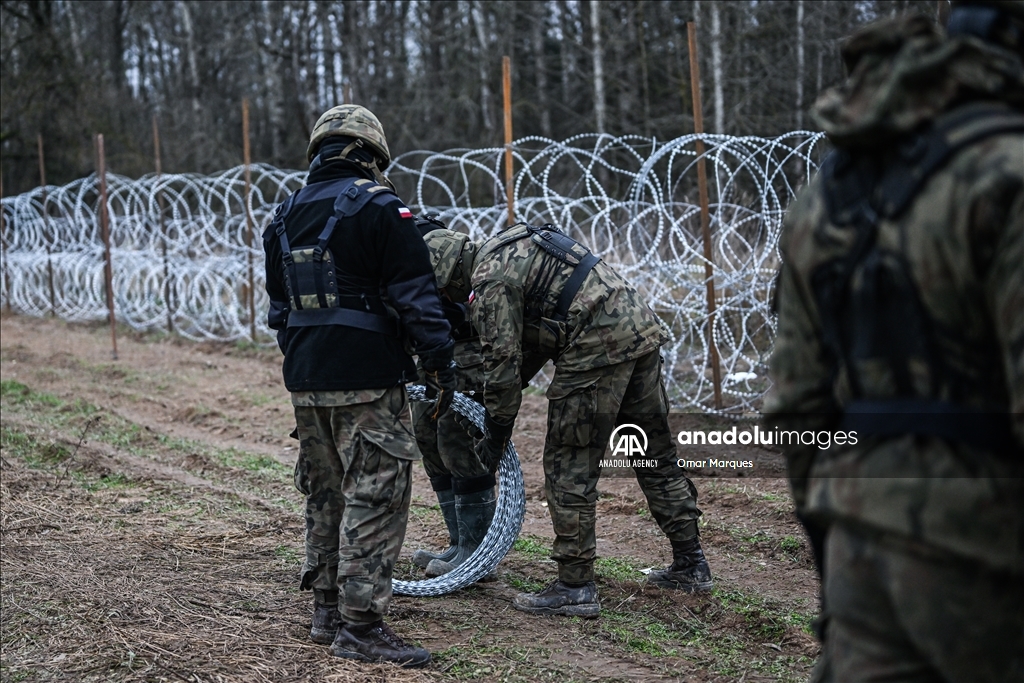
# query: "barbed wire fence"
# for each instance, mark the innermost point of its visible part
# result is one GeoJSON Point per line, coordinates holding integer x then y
{"type": "Point", "coordinates": [179, 254]}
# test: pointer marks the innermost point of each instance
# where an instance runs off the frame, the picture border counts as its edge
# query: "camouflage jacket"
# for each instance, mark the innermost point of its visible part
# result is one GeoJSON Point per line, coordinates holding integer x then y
{"type": "Point", "coordinates": [607, 323]}
{"type": "Point", "coordinates": [962, 240]}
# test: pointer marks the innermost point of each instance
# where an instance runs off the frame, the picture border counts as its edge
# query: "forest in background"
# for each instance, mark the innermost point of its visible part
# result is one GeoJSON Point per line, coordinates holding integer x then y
{"type": "Point", "coordinates": [430, 70]}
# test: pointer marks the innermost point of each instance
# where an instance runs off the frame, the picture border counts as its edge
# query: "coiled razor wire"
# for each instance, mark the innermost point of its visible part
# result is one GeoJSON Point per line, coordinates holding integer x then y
{"type": "Point", "coordinates": [180, 253]}
{"type": "Point", "coordinates": [504, 530]}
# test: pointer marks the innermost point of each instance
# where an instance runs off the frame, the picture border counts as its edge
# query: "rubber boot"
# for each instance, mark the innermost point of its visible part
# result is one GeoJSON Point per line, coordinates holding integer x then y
{"type": "Point", "coordinates": [376, 642]}
{"type": "Point", "coordinates": [326, 618]}
{"type": "Point", "coordinates": [571, 600]}
{"type": "Point", "coordinates": [689, 571]}
{"type": "Point", "coordinates": [446, 497]}
{"type": "Point", "coordinates": [475, 511]}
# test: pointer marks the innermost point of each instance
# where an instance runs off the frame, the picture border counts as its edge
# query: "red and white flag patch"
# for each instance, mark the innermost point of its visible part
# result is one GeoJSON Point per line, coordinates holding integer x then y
{"type": "Point", "coordinates": [404, 212]}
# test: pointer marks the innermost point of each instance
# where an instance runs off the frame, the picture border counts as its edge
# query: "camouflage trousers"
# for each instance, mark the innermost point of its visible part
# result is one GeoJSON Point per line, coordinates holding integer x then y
{"type": "Point", "coordinates": [911, 614]}
{"type": "Point", "coordinates": [447, 448]}
{"type": "Point", "coordinates": [583, 409]}
{"type": "Point", "coordinates": [355, 469]}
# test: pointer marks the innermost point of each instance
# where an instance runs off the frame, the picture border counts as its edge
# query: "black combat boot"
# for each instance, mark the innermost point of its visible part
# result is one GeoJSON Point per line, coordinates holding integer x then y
{"type": "Point", "coordinates": [326, 618]}
{"type": "Point", "coordinates": [446, 497]}
{"type": "Point", "coordinates": [688, 572]}
{"type": "Point", "coordinates": [475, 511]}
{"type": "Point", "coordinates": [376, 642]}
{"type": "Point", "coordinates": [571, 600]}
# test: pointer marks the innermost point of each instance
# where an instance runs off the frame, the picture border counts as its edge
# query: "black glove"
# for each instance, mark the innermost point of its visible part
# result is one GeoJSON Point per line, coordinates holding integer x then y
{"type": "Point", "coordinates": [439, 371]}
{"type": "Point", "coordinates": [469, 426]}
{"type": "Point", "coordinates": [453, 312]}
{"type": "Point", "coordinates": [491, 449]}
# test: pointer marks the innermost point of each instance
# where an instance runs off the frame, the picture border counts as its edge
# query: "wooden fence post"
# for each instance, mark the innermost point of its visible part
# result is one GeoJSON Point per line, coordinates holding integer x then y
{"type": "Point", "coordinates": [46, 226]}
{"type": "Point", "coordinates": [108, 270]}
{"type": "Point", "coordinates": [248, 220]}
{"type": "Point", "coordinates": [705, 214]}
{"type": "Point", "coordinates": [163, 227]}
{"type": "Point", "coordinates": [506, 84]}
{"type": "Point", "coordinates": [3, 249]}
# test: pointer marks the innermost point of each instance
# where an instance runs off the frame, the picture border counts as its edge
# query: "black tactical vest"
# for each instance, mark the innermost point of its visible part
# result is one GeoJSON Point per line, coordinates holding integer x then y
{"type": "Point", "coordinates": [318, 294]}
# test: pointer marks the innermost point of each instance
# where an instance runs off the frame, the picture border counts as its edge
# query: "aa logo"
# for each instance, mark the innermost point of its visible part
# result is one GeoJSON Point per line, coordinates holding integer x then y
{"type": "Point", "coordinates": [628, 440]}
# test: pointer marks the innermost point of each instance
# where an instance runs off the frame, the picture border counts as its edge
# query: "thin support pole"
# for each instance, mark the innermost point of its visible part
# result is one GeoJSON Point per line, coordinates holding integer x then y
{"type": "Point", "coordinates": [163, 228]}
{"type": "Point", "coordinates": [108, 270]}
{"type": "Point", "coordinates": [46, 226]}
{"type": "Point", "coordinates": [705, 214]}
{"type": "Point", "coordinates": [251, 294]}
{"type": "Point", "coordinates": [506, 83]}
{"type": "Point", "coordinates": [3, 249]}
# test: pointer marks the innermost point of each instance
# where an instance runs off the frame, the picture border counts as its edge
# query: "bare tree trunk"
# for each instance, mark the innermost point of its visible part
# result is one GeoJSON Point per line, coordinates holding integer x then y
{"type": "Point", "coordinates": [800, 64]}
{"type": "Point", "coordinates": [76, 41]}
{"type": "Point", "coordinates": [336, 62]}
{"type": "Point", "coordinates": [485, 89]}
{"type": "Point", "coordinates": [190, 53]}
{"type": "Point", "coordinates": [645, 83]}
{"type": "Point", "coordinates": [542, 74]}
{"type": "Point", "coordinates": [565, 46]}
{"type": "Point", "coordinates": [716, 68]}
{"type": "Point", "coordinates": [272, 83]}
{"type": "Point", "coordinates": [599, 103]}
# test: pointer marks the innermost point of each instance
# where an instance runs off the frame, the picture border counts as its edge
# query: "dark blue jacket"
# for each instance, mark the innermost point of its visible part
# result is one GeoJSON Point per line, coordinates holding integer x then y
{"type": "Point", "coordinates": [378, 249]}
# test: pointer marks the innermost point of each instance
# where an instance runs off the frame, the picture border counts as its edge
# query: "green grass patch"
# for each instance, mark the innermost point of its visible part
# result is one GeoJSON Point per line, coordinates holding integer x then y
{"type": "Point", "coordinates": [116, 480]}
{"type": "Point", "coordinates": [765, 618]}
{"type": "Point", "coordinates": [524, 584]}
{"type": "Point", "coordinates": [642, 633]}
{"type": "Point", "coordinates": [17, 393]}
{"type": "Point", "coordinates": [288, 553]}
{"type": "Point", "coordinates": [791, 544]}
{"type": "Point", "coordinates": [618, 569]}
{"type": "Point", "coordinates": [533, 547]}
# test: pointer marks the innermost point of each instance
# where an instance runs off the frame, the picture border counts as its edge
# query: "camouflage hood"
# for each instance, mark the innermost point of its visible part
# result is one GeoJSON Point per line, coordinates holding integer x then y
{"type": "Point", "coordinates": [905, 71]}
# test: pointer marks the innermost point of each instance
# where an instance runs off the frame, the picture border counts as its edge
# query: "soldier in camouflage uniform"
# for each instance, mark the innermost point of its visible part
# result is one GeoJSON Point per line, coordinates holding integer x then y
{"type": "Point", "coordinates": [350, 284]}
{"type": "Point", "coordinates": [537, 295]}
{"type": "Point", "coordinates": [464, 486]}
{"type": "Point", "coordinates": [901, 317]}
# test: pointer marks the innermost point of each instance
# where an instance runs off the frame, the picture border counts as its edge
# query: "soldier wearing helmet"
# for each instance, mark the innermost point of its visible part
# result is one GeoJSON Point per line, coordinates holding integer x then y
{"type": "Point", "coordinates": [350, 286]}
{"type": "Point", "coordinates": [901, 319]}
{"type": "Point", "coordinates": [463, 484]}
{"type": "Point", "coordinates": [538, 295]}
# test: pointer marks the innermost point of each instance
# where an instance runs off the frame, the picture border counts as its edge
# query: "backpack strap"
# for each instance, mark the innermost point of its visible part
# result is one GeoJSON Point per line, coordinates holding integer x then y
{"type": "Point", "coordinates": [352, 195]}
{"type": "Point", "coordinates": [556, 243]}
{"type": "Point", "coordinates": [859, 192]}
{"type": "Point", "coordinates": [923, 154]}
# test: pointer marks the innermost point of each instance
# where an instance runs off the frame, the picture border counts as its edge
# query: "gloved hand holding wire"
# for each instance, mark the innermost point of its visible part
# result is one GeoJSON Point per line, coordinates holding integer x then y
{"type": "Point", "coordinates": [439, 373]}
{"type": "Point", "coordinates": [491, 447]}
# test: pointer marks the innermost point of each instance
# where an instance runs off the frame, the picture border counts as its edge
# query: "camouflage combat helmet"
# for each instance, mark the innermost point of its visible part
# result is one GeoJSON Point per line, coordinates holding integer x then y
{"type": "Point", "coordinates": [452, 254]}
{"type": "Point", "coordinates": [355, 121]}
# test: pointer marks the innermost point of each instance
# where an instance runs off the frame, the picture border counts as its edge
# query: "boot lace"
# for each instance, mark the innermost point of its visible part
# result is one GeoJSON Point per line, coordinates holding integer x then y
{"type": "Point", "coordinates": [390, 637]}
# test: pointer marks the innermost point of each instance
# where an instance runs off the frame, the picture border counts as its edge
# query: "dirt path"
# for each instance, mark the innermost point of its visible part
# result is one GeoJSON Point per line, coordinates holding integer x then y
{"type": "Point", "coordinates": [150, 531]}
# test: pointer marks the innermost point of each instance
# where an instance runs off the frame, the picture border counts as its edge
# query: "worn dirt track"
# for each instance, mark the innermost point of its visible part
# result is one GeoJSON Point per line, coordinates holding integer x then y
{"type": "Point", "coordinates": [150, 531]}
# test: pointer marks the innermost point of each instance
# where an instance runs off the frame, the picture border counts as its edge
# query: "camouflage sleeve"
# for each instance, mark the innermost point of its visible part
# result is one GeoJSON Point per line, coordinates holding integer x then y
{"type": "Point", "coordinates": [1005, 294]}
{"type": "Point", "coordinates": [497, 312]}
{"type": "Point", "coordinates": [802, 395]}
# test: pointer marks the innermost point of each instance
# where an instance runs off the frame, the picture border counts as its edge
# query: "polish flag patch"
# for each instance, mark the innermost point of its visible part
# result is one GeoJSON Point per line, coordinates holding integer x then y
{"type": "Point", "coordinates": [404, 212]}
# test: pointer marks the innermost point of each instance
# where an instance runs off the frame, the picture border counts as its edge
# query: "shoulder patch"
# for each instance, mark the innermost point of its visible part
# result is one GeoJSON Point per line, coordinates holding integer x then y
{"type": "Point", "coordinates": [403, 212]}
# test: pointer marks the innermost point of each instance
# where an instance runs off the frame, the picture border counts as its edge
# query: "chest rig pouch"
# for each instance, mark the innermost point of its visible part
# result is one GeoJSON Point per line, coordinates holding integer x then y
{"type": "Point", "coordinates": [318, 294]}
{"type": "Point", "coordinates": [552, 332]}
{"type": "Point", "coordinates": [870, 307]}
